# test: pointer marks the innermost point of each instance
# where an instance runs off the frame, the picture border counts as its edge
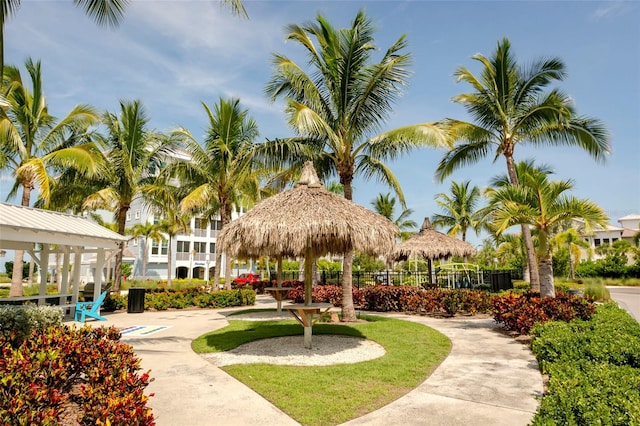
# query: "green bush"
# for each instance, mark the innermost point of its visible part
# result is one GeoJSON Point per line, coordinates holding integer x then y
{"type": "Point", "coordinates": [113, 302]}
{"type": "Point", "coordinates": [596, 290]}
{"type": "Point", "coordinates": [163, 299]}
{"type": "Point", "coordinates": [584, 393]}
{"type": "Point", "coordinates": [21, 320]}
{"type": "Point", "coordinates": [610, 336]}
{"type": "Point", "coordinates": [593, 367]}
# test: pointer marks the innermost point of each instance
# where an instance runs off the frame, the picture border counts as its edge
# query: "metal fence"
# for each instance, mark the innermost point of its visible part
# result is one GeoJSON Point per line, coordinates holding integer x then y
{"type": "Point", "coordinates": [497, 280]}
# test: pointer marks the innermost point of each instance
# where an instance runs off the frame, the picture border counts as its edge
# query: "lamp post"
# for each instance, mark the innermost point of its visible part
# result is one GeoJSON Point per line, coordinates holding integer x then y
{"type": "Point", "coordinates": [193, 254]}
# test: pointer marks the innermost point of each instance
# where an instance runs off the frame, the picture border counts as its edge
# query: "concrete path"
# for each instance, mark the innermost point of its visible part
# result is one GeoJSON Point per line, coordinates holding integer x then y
{"type": "Point", "coordinates": [488, 378]}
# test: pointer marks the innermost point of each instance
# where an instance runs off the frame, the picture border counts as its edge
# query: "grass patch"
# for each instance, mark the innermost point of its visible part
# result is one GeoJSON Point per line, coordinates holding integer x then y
{"type": "Point", "coordinates": [251, 311]}
{"type": "Point", "coordinates": [330, 395]}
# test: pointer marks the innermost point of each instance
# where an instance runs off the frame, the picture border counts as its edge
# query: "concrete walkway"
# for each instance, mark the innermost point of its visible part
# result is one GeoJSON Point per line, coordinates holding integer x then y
{"type": "Point", "coordinates": [488, 378]}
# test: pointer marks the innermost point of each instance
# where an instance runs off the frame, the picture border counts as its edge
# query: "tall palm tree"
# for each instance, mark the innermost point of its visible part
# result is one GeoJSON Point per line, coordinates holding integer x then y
{"type": "Point", "coordinates": [337, 106]}
{"type": "Point", "coordinates": [460, 210]}
{"type": "Point", "coordinates": [510, 106]}
{"type": "Point", "coordinates": [133, 155]}
{"type": "Point", "coordinates": [543, 205]}
{"type": "Point", "coordinates": [222, 171]}
{"type": "Point", "coordinates": [104, 12]}
{"type": "Point", "coordinates": [385, 205]}
{"type": "Point", "coordinates": [33, 143]}
{"type": "Point", "coordinates": [150, 231]}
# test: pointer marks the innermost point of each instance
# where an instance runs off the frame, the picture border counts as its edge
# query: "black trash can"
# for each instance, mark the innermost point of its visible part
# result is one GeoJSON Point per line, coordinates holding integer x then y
{"type": "Point", "coordinates": [135, 303]}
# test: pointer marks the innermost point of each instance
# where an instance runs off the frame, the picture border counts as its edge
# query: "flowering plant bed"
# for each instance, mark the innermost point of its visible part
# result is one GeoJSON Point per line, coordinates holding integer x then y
{"type": "Point", "coordinates": [64, 375]}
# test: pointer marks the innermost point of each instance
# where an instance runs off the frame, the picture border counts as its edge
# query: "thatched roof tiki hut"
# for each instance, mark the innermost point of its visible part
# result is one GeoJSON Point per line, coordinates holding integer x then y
{"type": "Point", "coordinates": [310, 222]}
{"type": "Point", "coordinates": [431, 245]}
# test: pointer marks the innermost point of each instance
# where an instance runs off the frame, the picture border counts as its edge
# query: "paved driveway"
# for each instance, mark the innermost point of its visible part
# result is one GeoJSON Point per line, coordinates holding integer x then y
{"type": "Point", "coordinates": [628, 298]}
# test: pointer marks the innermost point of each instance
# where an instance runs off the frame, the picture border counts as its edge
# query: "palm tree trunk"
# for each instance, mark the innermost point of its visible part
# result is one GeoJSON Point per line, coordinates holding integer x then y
{"type": "Point", "coordinates": [348, 310]}
{"type": "Point", "coordinates": [546, 277]}
{"type": "Point", "coordinates": [117, 273]}
{"type": "Point", "coordinates": [526, 232]}
{"type": "Point", "coordinates": [18, 257]}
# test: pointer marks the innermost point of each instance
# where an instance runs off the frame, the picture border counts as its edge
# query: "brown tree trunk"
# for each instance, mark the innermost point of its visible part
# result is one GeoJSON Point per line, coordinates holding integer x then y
{"type": "Point", "coordinates": [526, 232]}
{"type": "Point", "coordinates": [348, 309]}
{"type": "Point", "coordinates": [117, 270]}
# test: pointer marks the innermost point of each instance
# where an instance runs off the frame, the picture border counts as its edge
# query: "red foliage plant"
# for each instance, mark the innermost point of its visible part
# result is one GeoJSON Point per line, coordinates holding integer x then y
{"type": "Point", "coordinates": [521, 313]}
{"type": "Point", "coordinates": [72, 376]}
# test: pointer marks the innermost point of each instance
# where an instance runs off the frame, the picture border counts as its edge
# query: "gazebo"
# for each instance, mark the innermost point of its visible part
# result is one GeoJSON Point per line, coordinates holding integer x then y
{"type": "Point", "coordinates": [43, 232]}
{"type": "Point", "coordinates": [307, 221]}
{"type": "Point", "coordinates": [431, 245]}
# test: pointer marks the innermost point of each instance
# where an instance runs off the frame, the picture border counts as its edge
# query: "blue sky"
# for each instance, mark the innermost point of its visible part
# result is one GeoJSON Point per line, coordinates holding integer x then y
{"type": "Point", "coordinates": [174, 54]}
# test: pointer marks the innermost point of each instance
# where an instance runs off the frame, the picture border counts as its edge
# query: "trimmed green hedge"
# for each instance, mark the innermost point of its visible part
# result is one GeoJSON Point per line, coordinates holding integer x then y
{"type": "Point", "coordinates": [180, 299]}
{"type": "Point", "coordinates": [593, 367]}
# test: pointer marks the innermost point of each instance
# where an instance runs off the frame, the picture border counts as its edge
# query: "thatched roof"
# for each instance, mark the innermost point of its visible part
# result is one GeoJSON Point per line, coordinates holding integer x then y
{"type": "Point", "coordinates": [307, 219]}
{"type": "Point", "coordinates": [431, 244]}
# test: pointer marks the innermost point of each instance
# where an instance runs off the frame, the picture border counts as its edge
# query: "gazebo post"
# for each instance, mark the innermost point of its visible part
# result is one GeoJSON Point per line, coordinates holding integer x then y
{"type": "Point", "coordinates": [279, 281]}
{"type": "Point", "coordinates": [308, 276]}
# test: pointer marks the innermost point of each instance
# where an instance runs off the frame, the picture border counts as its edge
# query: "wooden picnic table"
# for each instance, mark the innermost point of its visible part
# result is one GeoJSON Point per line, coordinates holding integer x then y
{"type": "Point", "coordinates": [279, 293]}
{"type": "Point", "coordinates": [307, 316]}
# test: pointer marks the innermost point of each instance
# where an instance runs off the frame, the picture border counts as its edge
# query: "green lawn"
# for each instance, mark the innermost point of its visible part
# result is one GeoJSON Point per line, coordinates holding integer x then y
{"type": "Point", "coordinates": [331, 395]}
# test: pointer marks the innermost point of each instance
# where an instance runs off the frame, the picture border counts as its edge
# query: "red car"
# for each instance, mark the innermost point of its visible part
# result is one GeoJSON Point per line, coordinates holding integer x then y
{"type": "Point", "coordinates": [246, 278]}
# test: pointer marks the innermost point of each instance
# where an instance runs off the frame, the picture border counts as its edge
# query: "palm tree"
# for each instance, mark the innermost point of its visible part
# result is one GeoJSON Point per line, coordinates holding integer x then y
{"type": "Point", "coordinates": [542, 204]}
{"type": "Point", "coordinates": [149, 231]}
{"type": "Point", "coordinates": [385, 205]}
{"type": "Point", "coordinates": [510, 107]}
{"type": "Point", "coordinates": [134, 154]}
{"type": "Point", "coordinates": [104, 12]}
{"type": "Point", "coordinates": [222, 172]}
{"type": "Point", "coordinates": [33, 143]}
{"type": "Point", "coordinates": [337, 107]}
{"type": "Point", "coordinates": [460, 212]}
{"type": "Point", "coordinates": [574, 243]}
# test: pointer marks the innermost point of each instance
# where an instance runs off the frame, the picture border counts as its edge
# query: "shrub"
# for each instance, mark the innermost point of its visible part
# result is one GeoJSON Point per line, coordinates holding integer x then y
{"type": "Point", "coordinates": [611, 336]}
{"type": "Point", "coordinates": [327, 293]}
{"type": "Point", "coordinates": [596, 290]}
{"type": "Point", "coordinates": [163, 299]}
{"type": "Point", "coordinates": [62, 367]}
{"type": "Point", "coordinates": [582, 393]}
{"type": "Point", "coordinates": [521, 313]}
{"type": "Point", "coordinates": [21, 320]}
{"type": "Point", "coordinates": [113, 302]}
{"type": "Point", "coordinates": [594, 369]}
{"type": "Point", "coordinates": [383, 298]}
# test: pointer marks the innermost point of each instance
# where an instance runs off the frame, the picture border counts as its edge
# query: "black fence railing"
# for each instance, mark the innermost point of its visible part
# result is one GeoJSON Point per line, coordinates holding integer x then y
{"type": "Point", "coordinates": [496, 279]}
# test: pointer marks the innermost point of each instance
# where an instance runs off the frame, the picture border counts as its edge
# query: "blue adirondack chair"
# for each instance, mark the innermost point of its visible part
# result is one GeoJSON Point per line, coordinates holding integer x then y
{"type": "Point", "coordinates": [90, 309]}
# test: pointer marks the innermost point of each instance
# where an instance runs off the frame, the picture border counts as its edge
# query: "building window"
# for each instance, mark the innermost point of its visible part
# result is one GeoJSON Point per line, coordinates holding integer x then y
{"type": "Point", "coordinates": [200, 247]}
{"type": "Point", "coordinates": [137, 214]}
{"type": "Point", "coordinates": [159, 249]}
{"type": "Point", "coordinates": [128, 215]}
{"type": "Point", "coordinates": [182, 246]}
{"type": "Point", "coordinates": [135, 242]}
{"type": "Point", "coordinates": [200, 227]}
{"type": "Point", "coordinates": [605, 241]}
{"type": "Point", "coordinates": [613, 240]}
{"type": "Point", "coordinates": [596, 242]}
{"type": "Point", "coordinates": [212, 248]}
